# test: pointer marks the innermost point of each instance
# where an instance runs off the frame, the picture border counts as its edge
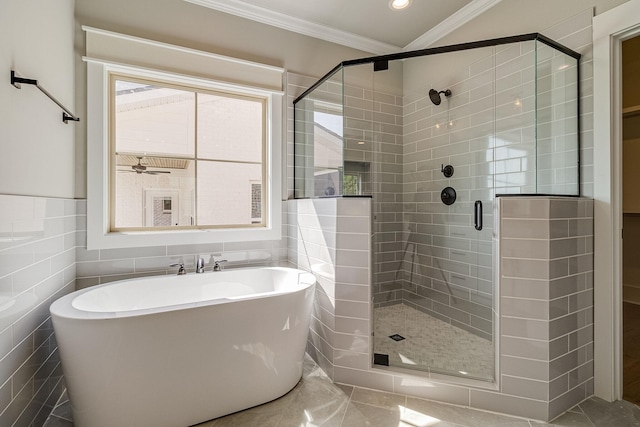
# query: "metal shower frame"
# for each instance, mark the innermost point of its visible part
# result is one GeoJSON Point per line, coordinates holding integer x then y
{"type": "Point", "coordinates": [381, 62]}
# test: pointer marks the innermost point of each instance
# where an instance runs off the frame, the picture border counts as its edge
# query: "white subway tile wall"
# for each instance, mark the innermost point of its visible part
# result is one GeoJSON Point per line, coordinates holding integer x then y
{"type": "Point", "coordinates": [37, 265]}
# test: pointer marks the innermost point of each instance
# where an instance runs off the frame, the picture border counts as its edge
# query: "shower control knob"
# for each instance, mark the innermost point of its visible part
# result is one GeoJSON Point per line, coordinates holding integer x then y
{"type": "Point", "coordinates": [447, 171]}
{"type": "Point", "coordinates": [448, 196]}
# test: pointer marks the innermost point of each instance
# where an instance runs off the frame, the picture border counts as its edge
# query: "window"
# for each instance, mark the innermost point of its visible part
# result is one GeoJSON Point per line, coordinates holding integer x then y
{"type": "Point", "coordinates": [205, 146]}
{"type": "Point", "coordinates": [184, 160]}
{"type": "Point", "coordinates": [352, 184]}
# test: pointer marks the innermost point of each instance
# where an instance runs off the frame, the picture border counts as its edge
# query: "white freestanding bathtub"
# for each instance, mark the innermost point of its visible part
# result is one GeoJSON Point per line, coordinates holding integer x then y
{"type": "Point", "coordinates": [179, 350]}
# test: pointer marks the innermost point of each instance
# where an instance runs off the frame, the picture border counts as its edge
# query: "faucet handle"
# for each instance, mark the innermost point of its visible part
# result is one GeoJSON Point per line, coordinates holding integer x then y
{"type": "Point", "coordinates": [217, 266]}
{"type": "Point", "coordinates": [181, 270]}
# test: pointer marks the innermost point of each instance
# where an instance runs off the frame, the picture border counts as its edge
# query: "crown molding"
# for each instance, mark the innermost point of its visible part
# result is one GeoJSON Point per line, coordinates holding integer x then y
{"type": "Point", "coordinates": [344, 38]}
{"type": "Point", "coordinates": [297, 25]}
{"type": "Point", "coordinates": [452, 23]}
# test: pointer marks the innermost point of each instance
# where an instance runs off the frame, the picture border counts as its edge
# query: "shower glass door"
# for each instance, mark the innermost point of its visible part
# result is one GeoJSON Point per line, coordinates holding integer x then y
{"type": "Point", "coordinates": [433, 193]}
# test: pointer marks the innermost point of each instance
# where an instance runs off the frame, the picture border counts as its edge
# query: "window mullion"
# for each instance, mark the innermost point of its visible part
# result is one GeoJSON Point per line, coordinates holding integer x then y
{"type": "Point", "coordinates": [195, 161]}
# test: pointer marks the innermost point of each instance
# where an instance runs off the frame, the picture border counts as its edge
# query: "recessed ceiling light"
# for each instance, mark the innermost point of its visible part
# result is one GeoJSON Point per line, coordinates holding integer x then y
{"type": "Point", "coordinates": [399, 4]}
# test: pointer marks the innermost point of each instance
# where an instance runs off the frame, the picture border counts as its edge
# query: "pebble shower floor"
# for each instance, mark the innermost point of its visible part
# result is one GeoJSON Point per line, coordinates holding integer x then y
{"type": "Point", "coordinates": [431, 343]}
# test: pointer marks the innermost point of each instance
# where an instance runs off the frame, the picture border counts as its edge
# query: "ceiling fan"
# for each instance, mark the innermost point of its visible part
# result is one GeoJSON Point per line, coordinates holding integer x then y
{"type": "Point", "coordinates": [139, 168]}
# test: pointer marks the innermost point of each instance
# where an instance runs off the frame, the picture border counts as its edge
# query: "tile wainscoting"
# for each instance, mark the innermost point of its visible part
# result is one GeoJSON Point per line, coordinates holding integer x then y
{"type": "Point", "coordinates": [43, 256]}
{"type": "Point", "coordinates": [96, 267]}
{"type": "Point", "coordinates": [38, 239]}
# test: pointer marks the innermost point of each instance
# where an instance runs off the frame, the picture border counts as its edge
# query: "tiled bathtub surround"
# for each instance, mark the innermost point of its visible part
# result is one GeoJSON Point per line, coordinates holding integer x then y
{"type": "Point", "coordinates": [37, 265]}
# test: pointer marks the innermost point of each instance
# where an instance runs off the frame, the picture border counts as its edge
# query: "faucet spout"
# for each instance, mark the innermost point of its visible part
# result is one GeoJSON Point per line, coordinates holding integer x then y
{"type": "Point", "coordinates": [200, 265]}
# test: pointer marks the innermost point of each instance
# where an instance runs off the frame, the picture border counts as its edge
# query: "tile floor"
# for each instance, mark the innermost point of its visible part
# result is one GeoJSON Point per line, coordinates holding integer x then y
{"type": "Point", "coordinates": [430, 343]}
{"type": "Point", "coordinates": [316, 401]}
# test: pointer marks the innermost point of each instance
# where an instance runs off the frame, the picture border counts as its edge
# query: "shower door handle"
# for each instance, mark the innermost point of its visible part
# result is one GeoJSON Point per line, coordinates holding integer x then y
{"type": "Point", "coordinates": [477, 214]}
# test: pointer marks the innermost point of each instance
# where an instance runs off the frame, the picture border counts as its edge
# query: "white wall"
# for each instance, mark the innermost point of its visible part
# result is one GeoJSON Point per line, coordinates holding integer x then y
{"type": "Point", "coordinates": [511, 17]}
{"type": "Point", "coordinates": [36, 148]}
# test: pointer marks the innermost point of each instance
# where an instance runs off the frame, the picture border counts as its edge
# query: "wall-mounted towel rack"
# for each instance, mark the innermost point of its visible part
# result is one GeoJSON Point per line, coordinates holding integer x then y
{"type": "Point", "coordinates": [66, 114]}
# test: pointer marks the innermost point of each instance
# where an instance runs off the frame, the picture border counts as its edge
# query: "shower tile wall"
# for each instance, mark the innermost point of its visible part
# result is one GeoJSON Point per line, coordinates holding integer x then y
{"type": "Point", "coordinates": [373, 135]}
{"type": "Point", "coordinates": [576, 33]}
{"type": "Point", "coordinates": [557, 146]}
{"type": "Point", "coordinates": [372, 148]}
{"type": "Point", "coordinates": [486, 131]}
{"type": "Point", "coordinates": [37, 265]}
{"type": "Point", "coordinates": [296, 84]}
{"type": "Point", "coordinates": [447, 263]}
{"type": "Point", "coordinates": [546, 303]}
{"type": "Point", "coordinates": [330, 237]}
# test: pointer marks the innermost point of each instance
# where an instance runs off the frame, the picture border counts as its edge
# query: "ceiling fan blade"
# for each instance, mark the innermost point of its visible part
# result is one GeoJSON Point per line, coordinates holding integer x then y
{"type": "Point", "coordinates": [156, 172]}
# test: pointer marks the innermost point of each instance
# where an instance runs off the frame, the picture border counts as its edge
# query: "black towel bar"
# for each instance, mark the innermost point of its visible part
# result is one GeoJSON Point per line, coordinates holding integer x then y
{"type": "Point", "coordinates": [66, 114]}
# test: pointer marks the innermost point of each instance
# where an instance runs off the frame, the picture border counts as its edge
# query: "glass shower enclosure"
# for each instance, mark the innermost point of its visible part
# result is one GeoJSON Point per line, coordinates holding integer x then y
{"type": "Point", "coordinates": [433, 137]}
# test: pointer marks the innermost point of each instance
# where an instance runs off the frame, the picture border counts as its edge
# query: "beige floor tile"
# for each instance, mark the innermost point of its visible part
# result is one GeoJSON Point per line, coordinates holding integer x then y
{"type": "Point", "coordinates": [378, 398]}
{"type": "Point", "coordinates": [318, 403]}
{"type": "Point", "coordinates": [315, 401]}
{"type": "Point", "coordinates": [360, 415]}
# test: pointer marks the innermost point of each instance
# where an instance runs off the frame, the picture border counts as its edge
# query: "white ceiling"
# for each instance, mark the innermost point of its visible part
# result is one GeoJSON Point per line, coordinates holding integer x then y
{"type": "Point", "coordinates": [368, 25]}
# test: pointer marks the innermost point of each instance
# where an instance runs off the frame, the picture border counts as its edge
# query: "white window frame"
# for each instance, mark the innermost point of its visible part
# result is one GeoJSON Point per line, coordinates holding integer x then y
{"type": "Point", "coordinates": [99, 235]}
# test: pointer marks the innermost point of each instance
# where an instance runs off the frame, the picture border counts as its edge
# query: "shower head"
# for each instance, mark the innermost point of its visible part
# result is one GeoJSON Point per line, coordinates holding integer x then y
{"type": "Point", "coordinates": [435, 95]}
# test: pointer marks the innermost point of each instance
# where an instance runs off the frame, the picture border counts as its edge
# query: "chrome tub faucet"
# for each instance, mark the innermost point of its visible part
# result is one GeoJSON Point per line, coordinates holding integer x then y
{"type": "Point", "coordinates": [200, 265]}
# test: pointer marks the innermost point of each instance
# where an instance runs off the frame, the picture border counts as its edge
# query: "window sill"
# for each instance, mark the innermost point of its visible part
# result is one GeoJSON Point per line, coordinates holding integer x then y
{"type": "Point", "coordinates": [136, 239]}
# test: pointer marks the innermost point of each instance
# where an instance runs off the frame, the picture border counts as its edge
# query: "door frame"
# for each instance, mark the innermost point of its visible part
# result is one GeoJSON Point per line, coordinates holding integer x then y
{"type": "Point", "coordinates": [610, 29]}
{"type": "Point", "coordinates": [150, 194]}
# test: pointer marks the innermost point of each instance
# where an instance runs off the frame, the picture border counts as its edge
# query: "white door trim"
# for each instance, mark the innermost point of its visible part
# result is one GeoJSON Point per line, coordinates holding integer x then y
{"type": "Point", "coordinates": [152, 193]}
{"type": "Point", "coordinates": [609, 30]}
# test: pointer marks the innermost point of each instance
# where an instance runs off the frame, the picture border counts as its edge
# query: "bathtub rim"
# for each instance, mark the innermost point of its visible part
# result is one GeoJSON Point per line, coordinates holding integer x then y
{"type": "Point", "coordinates": [63, 306]}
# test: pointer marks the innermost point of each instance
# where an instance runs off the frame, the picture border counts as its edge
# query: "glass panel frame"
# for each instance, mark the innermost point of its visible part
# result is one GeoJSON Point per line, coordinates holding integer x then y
{"type": "Point", "coordinates": [557, 122]}
{"type": "Point", "coordinates": [318, 146]}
